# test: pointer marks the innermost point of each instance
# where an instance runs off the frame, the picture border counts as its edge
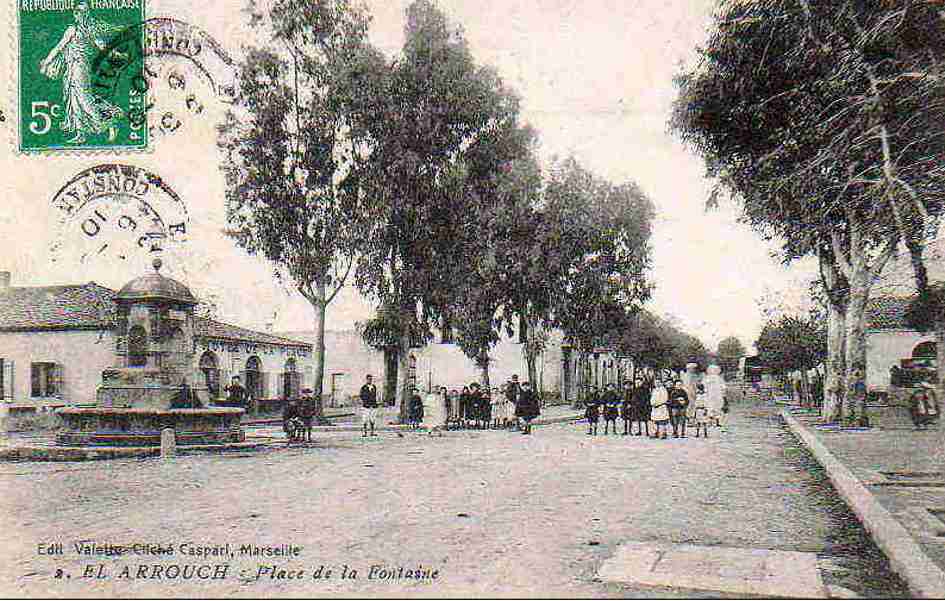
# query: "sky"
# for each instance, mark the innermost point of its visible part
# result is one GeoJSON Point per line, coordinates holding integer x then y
{"type": "Point", "coordinates": [595, 79]}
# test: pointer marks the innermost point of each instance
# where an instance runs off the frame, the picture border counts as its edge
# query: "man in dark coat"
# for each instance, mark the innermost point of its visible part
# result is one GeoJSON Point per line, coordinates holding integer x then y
{"type": "Point", "coordinates": [528, 407]}
{"type": "Point", "coordinates": [626, 407]}
{"type": "Point", "coordinates": [290, 420]}
{"type": "Point", "coordinates": [307, 412]}
{"type": "Point", "coordinates": [610, 408]}
{"type": "Point", "coordinates": [640, 406]}
{"type": "Point", "coordinates": [512, 392]}
{"type": "Point", "coordinates": [678, 403]}
{"type": "Point", "coordinates": [592, 410]}
{"type": "Point", "coordinates": [368, 406]}
{"type": "Point", "coordinates": [476, 404]}
{"type": "Point", "coordinates": [235, 393]}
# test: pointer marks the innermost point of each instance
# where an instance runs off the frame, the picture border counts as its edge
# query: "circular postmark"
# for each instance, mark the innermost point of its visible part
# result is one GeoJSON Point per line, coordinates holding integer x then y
{"type": "Point", "coordinates": [117, 212]}
{"type": "Point", "coordinates": [168, 66]}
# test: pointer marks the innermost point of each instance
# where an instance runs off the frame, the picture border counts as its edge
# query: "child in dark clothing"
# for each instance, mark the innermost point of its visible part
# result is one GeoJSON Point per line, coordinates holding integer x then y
{"type": "Point", "coordinates": [415, 410]}
{"type": "Point", "coordinates": [611, 409]}
{"type": "Point", "coordinates": [592, 412]}
{"type": "Point", "coordinates": [678, 404]}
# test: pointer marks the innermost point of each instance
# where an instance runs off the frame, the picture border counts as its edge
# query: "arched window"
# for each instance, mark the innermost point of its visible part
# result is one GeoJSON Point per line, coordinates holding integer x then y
{"type": "Point", "coordinates": [137, 347]}
{"type": "Point", "coordinates": [254, 378]}
{"type": "Point", "coordinates": [290, 380]}
{"type": "Point", "coordinates": [211, 373]}
{"type": "Point", "coordinates": [925, 350]}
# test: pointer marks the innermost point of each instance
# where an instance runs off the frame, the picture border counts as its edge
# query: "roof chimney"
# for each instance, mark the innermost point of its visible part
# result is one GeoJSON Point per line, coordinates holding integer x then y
{"type": "Point", "coordinates": [4, 280]}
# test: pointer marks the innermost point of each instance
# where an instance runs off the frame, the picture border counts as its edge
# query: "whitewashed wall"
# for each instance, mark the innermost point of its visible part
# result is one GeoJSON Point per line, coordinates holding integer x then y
{"type": "Point", "coordinates": [82, 354]}
{"type": "Point", "coordinates": [885, 348]}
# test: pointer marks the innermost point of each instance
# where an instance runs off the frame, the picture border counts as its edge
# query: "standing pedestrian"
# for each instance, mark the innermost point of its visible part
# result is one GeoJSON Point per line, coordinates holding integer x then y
{"type": "Point", "coordinates": [434, 411]}
{"type": "Point", "coordinates": [236, 394]}
{"type": "Point", "coordinates": [678, 407]}
{"type": "Point", "coordinates": [626, 407]}
{"type": "Point", "coordinates": [528, 407]}
{"type": "Point", "coordinates": [611, 408]}
{"type": "Point", "coordinates": [923, 407]}
{"type": "Point", "coordinates": [512, 392]}
{"type": "Point", "coordinates": [660, 409]}
{"type": "Point", "coordinates": [465, 409]}
{"type": "Point", "coordinates": [640, 406]}
{"type": "Point", "coordinates": [700, 413]}
{"type": "Point", "coordinates": [496, 399]}
{"type": "Point", "coordinates": [714, 394]}
{"type": "Point", "coordinates": [475, 404]}
{"type": "Point", "coordinates": [592, 411]}
{"type": "Point", "coordinates": [368, 396]}
{"type": "Point", "coordinates": [415, 409]}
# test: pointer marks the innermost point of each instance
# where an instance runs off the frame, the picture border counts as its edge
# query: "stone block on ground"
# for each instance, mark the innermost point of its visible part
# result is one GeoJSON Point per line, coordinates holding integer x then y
{"type": "Point", "coordinates": [730, 570]}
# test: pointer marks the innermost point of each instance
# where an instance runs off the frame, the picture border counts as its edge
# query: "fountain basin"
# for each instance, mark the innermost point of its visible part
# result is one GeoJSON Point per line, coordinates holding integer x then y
{"type": "Point", "coordinates": [141, 426]}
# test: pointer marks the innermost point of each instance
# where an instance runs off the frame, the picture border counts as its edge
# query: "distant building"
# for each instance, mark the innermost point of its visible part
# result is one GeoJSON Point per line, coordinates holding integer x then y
{"type": "Point", "coordinates": [891, 342]}
{"type": "Point", "coordinates": [440, 363]}
{"type": "Point", "coordinates": [56, 340]}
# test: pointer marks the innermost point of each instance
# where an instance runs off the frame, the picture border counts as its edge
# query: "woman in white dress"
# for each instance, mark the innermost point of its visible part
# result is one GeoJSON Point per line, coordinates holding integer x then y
{"type": "Point", "coordinates": [660, 413]}
{"type": "Point", "coordinates": [434, 410]}
{"type": "Point", "coordinates": [714, 393]}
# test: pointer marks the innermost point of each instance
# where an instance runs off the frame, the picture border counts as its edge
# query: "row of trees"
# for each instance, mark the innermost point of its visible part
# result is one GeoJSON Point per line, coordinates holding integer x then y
{"type": "Point", "coordinates": [823, 119]}
{"type": "Point", "coordinates": [414, 177]}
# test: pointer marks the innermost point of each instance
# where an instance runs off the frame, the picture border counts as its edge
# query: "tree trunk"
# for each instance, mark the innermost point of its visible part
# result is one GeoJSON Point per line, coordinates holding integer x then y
{"type": "Point", "coordinates": [856, 344]}
{"type": "Point", "coordinates": [403, 376]}
{"type": "Point", "coordinates": [805, 389]}
{"type": "Point", "coordinates": [940, 357]}
{"type": "Point", "coordinates": [318, 352]}
{"type": "Point", "coordinates": [836, 365]}
{"type": "Point", "coordinates": [484, 373]}
{"type": "Point", "coordinates": [390, 374]}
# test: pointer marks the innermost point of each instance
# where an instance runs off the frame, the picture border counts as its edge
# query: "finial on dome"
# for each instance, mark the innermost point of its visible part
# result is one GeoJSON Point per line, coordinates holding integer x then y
{"type": "Point", "coordinates": [157, 263]}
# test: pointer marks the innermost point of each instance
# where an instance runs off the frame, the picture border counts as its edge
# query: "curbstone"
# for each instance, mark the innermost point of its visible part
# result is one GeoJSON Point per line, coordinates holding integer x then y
{"type": "Point", "coordinates": [923, 576]}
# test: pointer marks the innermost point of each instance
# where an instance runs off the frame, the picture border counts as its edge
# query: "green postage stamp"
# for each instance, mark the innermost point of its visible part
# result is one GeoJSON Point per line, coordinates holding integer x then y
{"type": "Point", "coordinates": [81, 85]}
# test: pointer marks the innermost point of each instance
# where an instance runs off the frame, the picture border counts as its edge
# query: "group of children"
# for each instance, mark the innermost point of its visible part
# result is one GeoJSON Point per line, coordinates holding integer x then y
{"type": "Point", "coordinates": [511, 407]}
{"type": "Point", "coordinates": [663, 403]}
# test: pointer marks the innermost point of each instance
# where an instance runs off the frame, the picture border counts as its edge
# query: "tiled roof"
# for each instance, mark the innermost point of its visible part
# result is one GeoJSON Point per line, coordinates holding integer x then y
{"type": "Point", "coordinates": [224, 331]}
{"type": "Point", "coordinates": [78, 307]}
{"type": "Point", "coordinates": [887, 313]}
{"type": "Point", "coordinates": [90, 307]}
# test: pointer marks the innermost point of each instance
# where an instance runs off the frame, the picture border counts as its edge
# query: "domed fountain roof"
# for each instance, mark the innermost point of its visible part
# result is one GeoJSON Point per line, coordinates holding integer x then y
{"type": "Point", "coordinates": [156, 286]}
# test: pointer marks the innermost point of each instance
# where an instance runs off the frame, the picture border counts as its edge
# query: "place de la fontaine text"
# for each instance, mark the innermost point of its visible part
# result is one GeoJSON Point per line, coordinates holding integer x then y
{"type": "Point", "coordinates": [276, 572]}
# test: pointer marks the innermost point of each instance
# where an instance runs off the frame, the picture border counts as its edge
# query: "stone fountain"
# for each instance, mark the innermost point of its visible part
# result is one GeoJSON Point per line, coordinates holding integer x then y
{"type": "Point", "coordinates": [150, 388]}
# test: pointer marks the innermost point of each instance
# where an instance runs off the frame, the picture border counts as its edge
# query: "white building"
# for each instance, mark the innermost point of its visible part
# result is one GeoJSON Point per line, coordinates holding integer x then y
{"type": "Point", "coordinates": [440, 363]}
{"type": "Point", "coordinates": [55, 341]}
{"type": "Point", "coordinates": [889, 340]}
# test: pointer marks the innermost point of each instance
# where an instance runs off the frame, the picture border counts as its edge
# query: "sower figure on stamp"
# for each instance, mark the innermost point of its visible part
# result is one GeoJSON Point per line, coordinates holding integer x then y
{"type": "Point", "coordinates": [368, 406]}
{"type": "Point", "coordinates": [71, 60]}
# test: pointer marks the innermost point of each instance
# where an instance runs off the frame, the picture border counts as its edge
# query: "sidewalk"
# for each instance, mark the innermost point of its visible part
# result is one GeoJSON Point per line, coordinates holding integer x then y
{"type": "Point", "coordinates": [894, 481]}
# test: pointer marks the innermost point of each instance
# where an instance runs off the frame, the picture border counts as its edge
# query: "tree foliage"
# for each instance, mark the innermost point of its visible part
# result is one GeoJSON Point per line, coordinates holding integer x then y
{"type": "Point", "coordinates": [792, 343]}
{"type": "Point", "coordinates": [290, 151]}
{"type": "Point", "coordinates": [823, 119]}
{"type": "Point", "coordinates": [730, 350]}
